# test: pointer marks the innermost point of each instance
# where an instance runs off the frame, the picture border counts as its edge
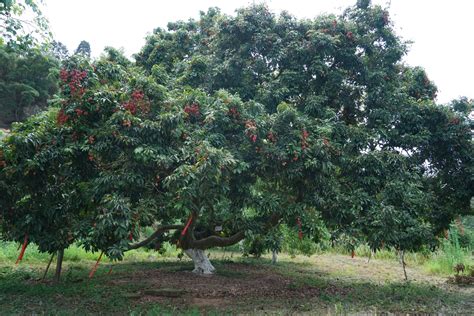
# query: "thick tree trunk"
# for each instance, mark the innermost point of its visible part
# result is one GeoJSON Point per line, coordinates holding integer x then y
{"type": "Point", "coordinates": [59, 265]}
{"type": "Point", "coordinates": [202, 264]}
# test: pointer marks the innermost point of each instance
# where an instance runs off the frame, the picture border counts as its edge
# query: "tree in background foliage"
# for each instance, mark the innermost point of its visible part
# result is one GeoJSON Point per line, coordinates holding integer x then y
{"type": "Point", "coordinates": [228, 127]}
{"type": "Point", "coordinates": [84, 48]}
{"type": "Point", "coordinates": [59, 50]}
{"type": "Point", "coordinates": [18, 32]}
{"type": "Point", "coordinates": [28, 72]}
{"type": "Point", "coordinates": [27, 80]}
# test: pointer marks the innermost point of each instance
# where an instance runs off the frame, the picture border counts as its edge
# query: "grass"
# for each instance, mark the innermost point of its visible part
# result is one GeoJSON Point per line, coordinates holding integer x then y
{"type": "Point", "coordinates": [440, 262]}
{"type": "Point", "coordinates": [344, 285]}
{"type": "Point", "coordinates": [451, 254]}
{"type": "Point", "coordinates": [9, 253]}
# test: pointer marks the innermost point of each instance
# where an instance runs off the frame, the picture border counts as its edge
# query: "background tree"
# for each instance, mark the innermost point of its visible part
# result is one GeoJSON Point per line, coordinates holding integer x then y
{"type": "Point", "coordinates": [28, 71]}
{"type": "Point", "coordinates": [27, 81]}
{"type": "Point", "coordinates": [84, 48]}
{"type": "Point", "coordinates": [19, 32]}
{"type": "Point", "coordinates": [59, 50]}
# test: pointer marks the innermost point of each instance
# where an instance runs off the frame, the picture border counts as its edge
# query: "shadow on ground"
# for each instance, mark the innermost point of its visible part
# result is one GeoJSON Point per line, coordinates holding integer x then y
{"type": "Point", "coordinates": [240, 286]}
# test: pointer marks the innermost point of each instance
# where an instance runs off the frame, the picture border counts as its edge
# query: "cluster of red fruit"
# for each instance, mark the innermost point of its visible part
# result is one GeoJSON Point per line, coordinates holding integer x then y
{"type": "Point", "coordinates": [80, 112]}
{"type": "Point", "coordinates": [74, 80]}
{"type": "Point", "coordinates": [304, 137]}
{"type": "Point", "coordinates": [332, 30]}
{"type": "Point", "coordinates": [271, 137]}
{"type": "Point", "coordinates": [250, 130]}
{"type": "Point", "coordinates": [130, 106]}
{"type": "Point", "coordinates": [136, 102]}
{"type": "Point", "coordinates": [192, 110]}
{"type": "Point", "coordinates": [349, 35]}
{"type": "Point", "coordinates": [234, 113]}
{"type": "Point", "coordinates": [64, 75]}
{"type": "Point", "coordinates": [137, 95]}
{"type": "Point", "coordinates": [62, 117]}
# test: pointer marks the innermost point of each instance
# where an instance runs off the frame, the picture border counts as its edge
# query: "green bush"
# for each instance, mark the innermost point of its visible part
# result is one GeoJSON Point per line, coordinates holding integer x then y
{"type": "Point", "coordinates": [2, 134]}
{"type": "Point", "coordinates": [466, 236]}
{"type": "Point", "coordinates": [294, 246]}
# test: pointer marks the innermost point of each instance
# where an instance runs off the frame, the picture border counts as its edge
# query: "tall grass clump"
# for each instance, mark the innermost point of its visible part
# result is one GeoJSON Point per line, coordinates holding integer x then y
{"type": "Point", "coordinates": [450, 254]}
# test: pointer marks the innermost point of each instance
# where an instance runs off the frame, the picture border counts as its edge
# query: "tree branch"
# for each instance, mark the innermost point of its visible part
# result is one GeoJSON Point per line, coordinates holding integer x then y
{"type": "Point", "coordinates": [216, 241]}
{"type": "Point", "coordinates": [159, 231]}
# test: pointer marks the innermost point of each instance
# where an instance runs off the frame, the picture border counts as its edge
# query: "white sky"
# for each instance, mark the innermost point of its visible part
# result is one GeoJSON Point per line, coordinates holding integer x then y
{"type": "Point", "coordinates": [442, 30]}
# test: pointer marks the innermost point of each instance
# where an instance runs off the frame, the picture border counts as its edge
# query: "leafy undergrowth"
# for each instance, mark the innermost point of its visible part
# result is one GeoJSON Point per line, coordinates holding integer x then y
{"type": "Point", "coordinates": [146, 283]}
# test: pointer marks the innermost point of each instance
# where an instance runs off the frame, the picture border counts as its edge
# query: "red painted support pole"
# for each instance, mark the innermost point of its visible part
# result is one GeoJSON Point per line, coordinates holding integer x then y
{"type": "Point", "coordinates": [23, 248]}
{"type": "Point", "coordinates": [185, 229]}
{"type": "Point", "coordinates": [94, 269]}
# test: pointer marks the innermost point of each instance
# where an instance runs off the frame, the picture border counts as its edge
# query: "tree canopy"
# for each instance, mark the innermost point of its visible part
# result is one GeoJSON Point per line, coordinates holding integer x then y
{"type": "Point", "coordinates": [28, 69]}
{"type": "Point", "coordinates": [27, 80]}
{"type": "Point", "coordinates": [17, 29]}
{"type": "Point", "coordinates": [228, 126]}
{"type": "Point", "coordinates": [84, 48]}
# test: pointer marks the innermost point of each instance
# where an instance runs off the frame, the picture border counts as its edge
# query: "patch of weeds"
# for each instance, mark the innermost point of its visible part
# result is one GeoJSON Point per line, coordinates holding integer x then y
{"type": "Point", "coordinates": [449, 255]}
{"type": "Point", "coordinates": [401, 297]}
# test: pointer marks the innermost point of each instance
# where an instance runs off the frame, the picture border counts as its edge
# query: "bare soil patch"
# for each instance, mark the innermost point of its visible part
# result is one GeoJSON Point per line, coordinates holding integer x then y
{"type": "Point", "coordinates": [236, 282]}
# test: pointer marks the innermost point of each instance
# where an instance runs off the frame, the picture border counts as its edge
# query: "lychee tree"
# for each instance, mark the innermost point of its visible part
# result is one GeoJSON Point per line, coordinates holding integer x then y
{"type": "Point", "coordinates": [121, 152]}
{"type": "Point", "coordinates": [395, 153]}
{"type": "Point", "coordinates": [227, 127]}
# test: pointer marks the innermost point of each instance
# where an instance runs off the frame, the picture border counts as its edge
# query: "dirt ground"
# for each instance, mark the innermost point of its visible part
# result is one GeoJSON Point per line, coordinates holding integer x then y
{"type": "Point", "coordinates": [238, 282]}
{"type": "Point", "coordinates": [248, 286]}
{"type": "Point", "coordinates": [325, 284]}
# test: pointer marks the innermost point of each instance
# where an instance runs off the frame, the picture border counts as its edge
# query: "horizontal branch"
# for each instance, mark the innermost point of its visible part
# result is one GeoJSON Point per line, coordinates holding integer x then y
{"type": "Point", "coordinates": [159, 231]}
{"type": "Point", "coordinates": [216, 241]}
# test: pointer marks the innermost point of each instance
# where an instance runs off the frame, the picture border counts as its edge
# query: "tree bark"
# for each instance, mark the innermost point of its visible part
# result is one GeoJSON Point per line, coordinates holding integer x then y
{"type": "Point", "coordinates": [159, 231]}
{"type": "Point", "coordinates": [402, 261]}
{"type": "Point", "coordinates": [216, 241]}
{"type": "Point", "coordinates": [195, 248]}
{"type": "Point", "coordinates": [59, 265]}
{"type": "Point", "coordinates": [274, 256]}
{"type": "Point", "coordinates": [202, 264]}
{"type": "Point", "coordinates": [47, 267]}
